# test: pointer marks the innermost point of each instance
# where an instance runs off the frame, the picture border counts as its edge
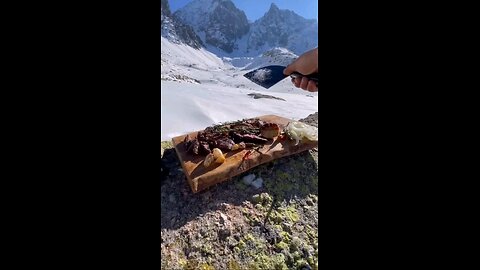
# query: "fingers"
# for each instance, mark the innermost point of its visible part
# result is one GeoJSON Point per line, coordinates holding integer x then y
{"type": "Point", "coordinates": [296, 82]}
{"type": "Point", "coordinates": [305, 84]}
{"type": "Point", "coordinates": [312, 87]}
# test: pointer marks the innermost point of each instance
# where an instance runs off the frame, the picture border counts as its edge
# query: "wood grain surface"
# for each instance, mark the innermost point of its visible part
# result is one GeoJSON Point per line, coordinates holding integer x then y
{"type": "Point", "coordinates": [201, 178]}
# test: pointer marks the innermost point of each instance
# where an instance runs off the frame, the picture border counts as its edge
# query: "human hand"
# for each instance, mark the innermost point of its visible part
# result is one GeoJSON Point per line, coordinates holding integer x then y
{"type": "Point", "coordinates": [306, 64]}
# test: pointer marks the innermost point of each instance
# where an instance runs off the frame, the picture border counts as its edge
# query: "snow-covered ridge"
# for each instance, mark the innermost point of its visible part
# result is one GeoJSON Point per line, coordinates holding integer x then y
{"type": "Point", "coordinates": [181, 55]}
{"type": "Point", "coordinates": [224, 29]}
{"type": "Point", "coordinates": [275, 56]}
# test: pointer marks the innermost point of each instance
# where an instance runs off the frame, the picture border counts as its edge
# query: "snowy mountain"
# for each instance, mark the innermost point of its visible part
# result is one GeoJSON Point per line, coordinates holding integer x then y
{"type": "Point", "coordinates": [174, 30]}
{"type": "Point", "coordinates": [275, 56]}
{"type": "Point", "coordinates": [283, 28]}
{"type": "Point", "coordinates": [218, 22]}
{"type": "Point", "coordinates": [225, 30]}
{"type": "Point", "coordinates": [181, 62]}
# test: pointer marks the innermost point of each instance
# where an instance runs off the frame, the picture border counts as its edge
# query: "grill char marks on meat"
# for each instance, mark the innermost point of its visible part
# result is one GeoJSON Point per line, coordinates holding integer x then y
{"type": "Point", "coordinates": [254, 138]}
{"type": "Point", "coordinates": [248, 138]}
{"type": "Point", "coordinates": [237, 138]}
{"type": "Point", "coordinates": [204, 148]}
{"type": "Point", "coordinates": [224, 144]}
{"type": "Point", "coordinates": [194, 146]}
{"type": "Point", "coordinates": [224, 136]}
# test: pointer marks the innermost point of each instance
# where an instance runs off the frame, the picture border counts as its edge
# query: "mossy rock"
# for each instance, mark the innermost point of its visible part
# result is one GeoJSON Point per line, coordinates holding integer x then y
{"type": "Point", "coordinates": [165, 145]}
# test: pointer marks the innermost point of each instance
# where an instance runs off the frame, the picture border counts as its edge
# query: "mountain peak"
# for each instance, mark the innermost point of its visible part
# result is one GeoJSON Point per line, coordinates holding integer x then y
{"type": "Point", "coordinates": [219, 22]}
{"type": "Point", "coordinates": [273, 7]}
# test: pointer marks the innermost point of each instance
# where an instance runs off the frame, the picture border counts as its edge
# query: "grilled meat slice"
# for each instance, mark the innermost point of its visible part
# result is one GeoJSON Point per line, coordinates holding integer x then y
{"type": "Point", "coordinates": [194, 146]}
{"type": "Point", "coordinates": [204, 148]}
{"type": "Point", "coordinates": [187, 142]}
{"type": "Point", "coordinates": [253, 138]}
{"type": "Point", "coordinates": [224, 144]}
{"type": "Point", "coordinates": [237, 138]}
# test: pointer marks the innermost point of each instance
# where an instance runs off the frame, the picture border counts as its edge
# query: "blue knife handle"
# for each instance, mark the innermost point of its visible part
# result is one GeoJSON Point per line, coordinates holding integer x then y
{"type": "Point", "coordinates": [313, 76]}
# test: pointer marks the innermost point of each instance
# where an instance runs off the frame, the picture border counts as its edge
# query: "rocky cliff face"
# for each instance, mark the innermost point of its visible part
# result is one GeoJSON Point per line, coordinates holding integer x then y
{"type": "Point", "coordinates": [175, 30]}
{"type": "Point", "coordinates": [223, 26]}
{"type": "Point", "coordinates": [283, 28]}
{"type": "Point", "coordinates": [218, 22]}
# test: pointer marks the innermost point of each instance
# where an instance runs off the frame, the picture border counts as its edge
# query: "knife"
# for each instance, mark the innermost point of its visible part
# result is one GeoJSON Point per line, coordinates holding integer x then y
{"type": "Point", "coordinates": [270, 75]}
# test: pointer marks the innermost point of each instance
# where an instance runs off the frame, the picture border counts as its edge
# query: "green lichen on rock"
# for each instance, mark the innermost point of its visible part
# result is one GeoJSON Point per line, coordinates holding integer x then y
{"type": "Point", "coordinates": [299, 264]}
{"type": "Point", "coordinates": [295, 244]}
{"type": "Point", "coordinates": [254, 242]}
{"type": "Point", "coordinates": [165, 145]}
{"type": "Point", "coordinates": [281, 246]}
{"type": "Point", "coordinates": [256, 198]}
{"type": "Point", "coordinates": [285, 237]}
{"type": "Point", "coordinates": [233, 265]}
{"type": "Point", "coordinates": [266, 262]}
{"type": "Point", "coordinates": [291, 213]}
{"type": "Point", "coordinates": [284, 214]}
{"type": "Point", "coordinates": [241, 245]}
{"type": "Point", "coordinates": [196, 265]}
{"type": "Point", "coordinates": [207, 249]}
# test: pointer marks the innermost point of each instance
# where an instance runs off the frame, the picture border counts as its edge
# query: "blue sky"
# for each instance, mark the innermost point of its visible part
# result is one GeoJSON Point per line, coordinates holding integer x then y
{"type": "Point", "coordinates": [255, 9]}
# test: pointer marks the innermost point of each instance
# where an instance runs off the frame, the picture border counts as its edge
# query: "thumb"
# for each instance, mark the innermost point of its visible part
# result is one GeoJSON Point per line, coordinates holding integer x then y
{"type": "Point", "coordinates": [289, 69]}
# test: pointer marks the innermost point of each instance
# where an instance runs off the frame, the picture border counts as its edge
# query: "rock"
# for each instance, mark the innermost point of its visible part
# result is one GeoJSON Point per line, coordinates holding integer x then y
{"type": "Point", "coordinates": [175, 30]}
{"type": "Point", "coordinates": [221, 23]}
{"type": "Point", "coordinates": [257, 183]}
{"type": "Point", "coordinates": [257, 96]}
{"type": "Point", "coordinates": [309, 201]}
{"type": "Point", "coordinates": [287, 227]}
{"type": "Point", "coordinates": [256, 198]}
{"type": "Point", "coordinates": [229, 208]}
{"type": "Point", "coordinates": [223, 218]}
{"type": "Point", "coordinates": [273, 237]}
{"type": "Point", "coordinates": [248, 179]}
{"type": "Point", "coordinates": [265, 198]}
{"type": "Point", "coordinates": [231, 242]}
{"type": "Point", "coordinates": [224, 233]}
{"type": "Point", "coordinates": [295, 244]}
{"type": "Point", "coordinates": [312, 120]}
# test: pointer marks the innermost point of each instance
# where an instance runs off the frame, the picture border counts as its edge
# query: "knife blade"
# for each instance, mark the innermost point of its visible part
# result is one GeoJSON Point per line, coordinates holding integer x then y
{"type": "Point", "coordinates": [270, 75]}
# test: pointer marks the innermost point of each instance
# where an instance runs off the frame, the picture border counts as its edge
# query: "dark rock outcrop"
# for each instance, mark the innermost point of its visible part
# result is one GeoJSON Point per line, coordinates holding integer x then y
{"type": "Point", "coordinates": [174, 30]}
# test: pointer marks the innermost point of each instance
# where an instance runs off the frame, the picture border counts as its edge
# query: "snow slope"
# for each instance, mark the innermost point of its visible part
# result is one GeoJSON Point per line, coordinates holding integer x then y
{"type": "Point", "coordinates": [190, 107]}
{"type": "Point", "coordinates": [199, 90]}
{"type": "Point", "coordinates": [173, 55]}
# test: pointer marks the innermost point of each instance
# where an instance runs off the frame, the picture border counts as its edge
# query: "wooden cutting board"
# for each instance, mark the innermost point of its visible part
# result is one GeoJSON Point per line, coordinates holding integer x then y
{"type": "Point", "coordinates": [201, 178]}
